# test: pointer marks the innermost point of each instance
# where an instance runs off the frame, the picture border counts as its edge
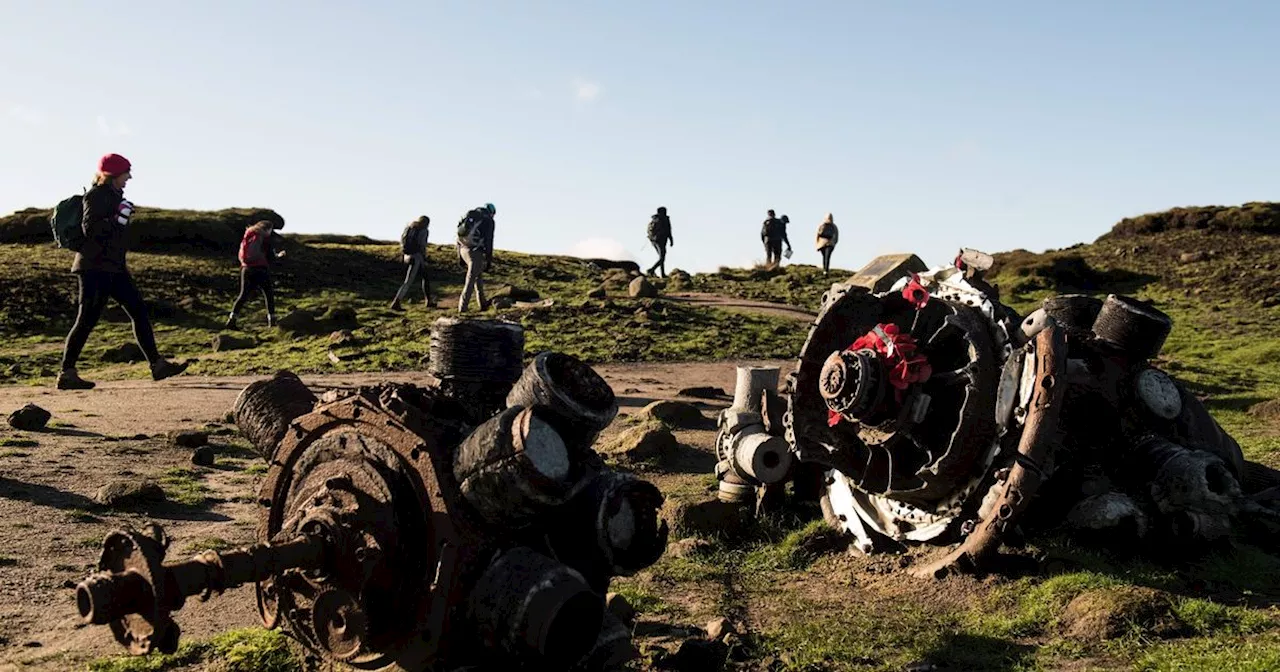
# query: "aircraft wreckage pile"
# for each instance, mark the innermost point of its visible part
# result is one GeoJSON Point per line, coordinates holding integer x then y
{"type": "Point", "coordinates": [932, 413]}
{"type": "Point", "coordinates": [464, 525]}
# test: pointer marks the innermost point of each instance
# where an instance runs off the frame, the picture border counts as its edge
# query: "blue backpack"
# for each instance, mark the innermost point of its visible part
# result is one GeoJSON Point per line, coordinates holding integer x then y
{"type": "Point", "coordinates": [66, 222]}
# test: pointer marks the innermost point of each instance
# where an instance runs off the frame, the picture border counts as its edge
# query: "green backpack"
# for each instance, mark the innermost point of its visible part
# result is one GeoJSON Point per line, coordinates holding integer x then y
{"type": "Point", "coordinates": [66, 222]}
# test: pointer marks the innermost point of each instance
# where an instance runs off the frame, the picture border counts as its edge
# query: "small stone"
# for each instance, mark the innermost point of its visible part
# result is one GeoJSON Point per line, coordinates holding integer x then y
{"type": "Point", "coordinates": [641, 288]}
{"type": "Point", "coordinates": [677, 414]}
{"type": "Point", "coordinates": [188, 438]}
{"type": "Point", "coordinates": [502, 302]}
{"type": "Point", "coordinates": [29, 418]}
{"type": "Point", "coordinates": [203, 456]}
{"type": "Point", "coordinates": [1192, 257]}
{"type": "Point", "coordinates": [342, 315]}
{"type": "Point", "coordinates": [619, 606]}
{"type": "Point", "coordinates": [298, 321]}
{"type": "Point", "coordinates": [228, 342]}
{"type": "Point", "coordinates": [718, 628]}
{"type": "Point", "coordinates": [129, 492]}
{"type": "Point", "coordinates": [140, 437]}
{"type": "Point", "coordinates": [33, 644]}
{"type": "Point", "coordinates": [341, 337]}
{"type": "Point", "coordinates": [598, 293]}
{"type": "Point", "coordinates": [704, 392]}
{"type": "Point", "coordinates": [517, 294]}
{"type": "Point", "coordinates": [711, 518]}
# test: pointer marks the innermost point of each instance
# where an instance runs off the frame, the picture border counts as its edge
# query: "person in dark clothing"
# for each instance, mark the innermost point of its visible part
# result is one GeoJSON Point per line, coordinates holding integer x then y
{"type": "Point", "coordinates": [660, 237]}
{"type": "Point", "coordinates": [257, 251]}
{"type": "Point", "coordinates": [413, 244]}
{"type": "Point", "coordinates": [475, 250]}
{"type": "Point", "coordinates": [828, 236]}
{"type": "Point", "coordinates": [773, 234]}
{"type": "Point", "coordinates": [103, 274]}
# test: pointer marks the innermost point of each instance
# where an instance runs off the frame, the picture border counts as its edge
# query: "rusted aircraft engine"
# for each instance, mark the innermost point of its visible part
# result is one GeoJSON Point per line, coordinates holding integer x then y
{"type": "Point", "coordinates": [410, 528]}
{"type": "Point", "coordinates": [941, 416]}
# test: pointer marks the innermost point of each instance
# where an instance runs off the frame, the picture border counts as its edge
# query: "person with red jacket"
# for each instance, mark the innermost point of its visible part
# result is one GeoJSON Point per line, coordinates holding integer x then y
{"type": "Point", "coordinates": [103, 274]}
{"type": "Point", "coordinates": [257, 251]}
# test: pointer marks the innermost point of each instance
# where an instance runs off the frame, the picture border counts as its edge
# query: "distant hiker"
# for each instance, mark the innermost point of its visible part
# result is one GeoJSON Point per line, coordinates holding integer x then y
{"type": "Point", "coordinates": [103, 274]}
{"type": "Point", "coordinates": [828, 236]}
{"type": "Point", "coordinates": [660, 237]}
{"type": "Point", "coordinates": [773, 234]}
{"type": "Point", "coordinates": [413, 245]}
{"type": "Point", "coordinates": [257, 251]}
{"type": "Point", "coordinates": [475, 249]}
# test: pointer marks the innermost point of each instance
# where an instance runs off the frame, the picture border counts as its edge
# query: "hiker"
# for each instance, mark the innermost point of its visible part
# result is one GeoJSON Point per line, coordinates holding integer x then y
{"type": "Point", "coordinates": [257, 251]}
{"type": "Point", "coordinates": [828, 235]}
{"type": "Point", "coordinates": [660, 237]}
{"type": "Point", "coordinates": [413, 245]}
{"type": "Point", "coordinates": [103, 274]}
{"type": "Point", "coordinates": [475, 250]}
{"type": "Point", "coordinates": [773, 234]}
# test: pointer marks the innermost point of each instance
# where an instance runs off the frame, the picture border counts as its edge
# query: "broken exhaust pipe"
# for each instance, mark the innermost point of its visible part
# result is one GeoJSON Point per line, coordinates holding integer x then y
{"type": "Point", "coordinates": [751, 456]}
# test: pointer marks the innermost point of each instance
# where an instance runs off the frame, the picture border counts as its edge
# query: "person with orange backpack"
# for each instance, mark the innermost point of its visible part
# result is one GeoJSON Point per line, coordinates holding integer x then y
{"type": "Point", "coordinates": [257, 251]}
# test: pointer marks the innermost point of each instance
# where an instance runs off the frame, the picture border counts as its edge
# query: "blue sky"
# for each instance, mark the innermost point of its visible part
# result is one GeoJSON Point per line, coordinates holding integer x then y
{"type": "Point", "coordinates": [923, 126]}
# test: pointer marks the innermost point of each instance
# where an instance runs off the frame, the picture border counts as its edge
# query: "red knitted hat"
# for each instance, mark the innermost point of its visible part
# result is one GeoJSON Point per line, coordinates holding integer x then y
{"type": "Point", "coordinates": [114, 164]}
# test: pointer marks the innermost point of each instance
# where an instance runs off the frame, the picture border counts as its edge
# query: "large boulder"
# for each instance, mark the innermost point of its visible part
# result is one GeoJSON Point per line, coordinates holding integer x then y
{"type": "Point", "coordinates": [886, 269]}
{"type": "Point", "coordinates": [677, 414]}
{"type": "Point", "coordinates": [644, 442]}
{"type": "Point", "coordinates": [125, 493]}
{"type": "Point", "coordinates": [641, 288]}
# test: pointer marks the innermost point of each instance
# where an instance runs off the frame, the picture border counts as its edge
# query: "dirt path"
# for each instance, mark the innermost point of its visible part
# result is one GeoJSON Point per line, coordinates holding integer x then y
{"type": "Point", "coordinates": [743, 305]}
{"type": "Point", "coordinates": [50, 528]}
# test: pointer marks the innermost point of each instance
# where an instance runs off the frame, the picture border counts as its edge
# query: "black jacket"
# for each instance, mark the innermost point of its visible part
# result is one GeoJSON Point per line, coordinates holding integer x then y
{"type": "Point", "coordinates": [106, 240]}
{"type": "Point", "coordinates": [774, 230]}
{"type": "Point", "coordinates": [660, 230]}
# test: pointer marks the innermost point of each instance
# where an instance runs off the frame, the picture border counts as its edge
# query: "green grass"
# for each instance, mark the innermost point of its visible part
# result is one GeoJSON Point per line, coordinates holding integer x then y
{"type": "Point", "coordinates": [245, 650]}
{"type": "Point", "coordinates": [18, 443]}
{"type": "Point", "coordinates": [184, 486]}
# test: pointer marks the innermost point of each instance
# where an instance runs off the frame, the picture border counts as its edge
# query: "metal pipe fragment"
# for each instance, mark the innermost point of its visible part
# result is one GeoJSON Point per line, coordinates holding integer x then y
{"type": "Point", "coordinates": [514, 467]}
{"type": "Point", "coordinates": [611, 527]}
{"type": "Point", "coordinates": [534, 608]}
{"type": "Point", "coordinates": [578, 402]}
{"type": "Point", "coordinates": [264, 409]}
{"type": "Point", "coordinates": [762, 458]}
{"type": "Point", "coordinates": [752, 382]}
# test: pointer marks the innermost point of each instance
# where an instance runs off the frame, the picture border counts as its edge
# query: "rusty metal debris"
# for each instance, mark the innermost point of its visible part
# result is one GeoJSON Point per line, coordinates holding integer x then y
{"type": "Point", "coordinates": [942, 417]}
{"type": "Point", "coordinates": [419, 528]}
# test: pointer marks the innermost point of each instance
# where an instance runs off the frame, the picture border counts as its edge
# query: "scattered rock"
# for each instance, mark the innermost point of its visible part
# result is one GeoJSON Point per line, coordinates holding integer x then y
{"type": "Point", "coordinates": [620, 607]}
{"type": "Point", "coordinates": [1266, 410]}
{"type": "Point", "coordinates": [1108, 613]}
{"type": "Point", "coordinates": [126, 353]}
{"type": "Point", "coordinates": [718, 628]}
{"type": "Point", "coordinates": [203, 456]}
{"type": "Point", "coordinates": [1193, 257]}
{"type": "Point", "coordinates": [517, 293]}
{"type": "Point", "coordinates": [344, 316]}
{"type": "Point", "coordinates": [598, 293]}
{"type": "Point", "coordinates": [687, 548]}
{"type": "Point", "coordinates": [29, 418]}
{"type": "Point", "coordinates": [677, 414]}
{"type": "Point", "coordinates": [299, 321]}
{"type": "Point", "coordinates": [502, 302]}
{"type": "Point", "coordinates": [140, 437]}
{"type": "Point", "coordinates": [712, 518]}
{"type": "Point", "coordinates": [696, 655]}
{"type": "Point", "coordinates": [129, 492]}
{"type": "Point", "coordinates": [705, 392]}
{"type": "Point", "coordinates": [227, 342]}
{"type": "Point", "coordinates": [641, 288]}
{"type": "Point", "coordinates": [678, 278]}
{"type": "Point", "coordinates": [341, 337]}
{"type": "Point", "coordinates": [647, 441]}
{"type": "Point", "coordinates": [33, 644]}
{"type": "Point", "coordinates": [188, 438]}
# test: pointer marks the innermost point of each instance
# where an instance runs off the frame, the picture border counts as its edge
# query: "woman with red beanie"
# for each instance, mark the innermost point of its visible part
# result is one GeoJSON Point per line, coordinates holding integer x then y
{"type": "Point", "coordinates": [100, 267]}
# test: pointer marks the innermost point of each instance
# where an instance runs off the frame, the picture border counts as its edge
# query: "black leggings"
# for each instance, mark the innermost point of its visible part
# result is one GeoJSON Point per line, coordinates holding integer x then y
{"type": "Point", "coordinates": [96, 287]}
{"type": "Point", "coordinates": [826, 257]}
{"type": "Point", "coordinates": [251, 278]}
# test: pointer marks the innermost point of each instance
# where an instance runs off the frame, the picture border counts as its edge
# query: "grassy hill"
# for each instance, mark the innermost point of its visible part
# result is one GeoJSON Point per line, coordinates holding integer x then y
{"type": "Point", "coordinates": [185, 265]}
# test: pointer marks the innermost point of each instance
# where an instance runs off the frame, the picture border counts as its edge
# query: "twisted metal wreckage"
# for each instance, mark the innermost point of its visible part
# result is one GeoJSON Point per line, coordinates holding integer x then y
{"type": "Point", "coordinates": [932, 413]}
{"type": "Point", "coordinates": [463, 525]}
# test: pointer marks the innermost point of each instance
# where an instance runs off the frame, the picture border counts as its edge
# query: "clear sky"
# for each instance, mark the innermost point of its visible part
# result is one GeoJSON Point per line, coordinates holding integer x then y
{"type": "Point", "coordinates": [922, 125]}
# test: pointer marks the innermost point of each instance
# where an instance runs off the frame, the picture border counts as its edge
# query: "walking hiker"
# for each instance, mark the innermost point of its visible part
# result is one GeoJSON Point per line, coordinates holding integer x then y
{"type": "Point", "coordinates": [660, 237]}
{"type": "Point", "coordinates": [413, 244]}
{"type": "Point", "coordinates": [475, 250]}
{"type": "Point", "coordinates": [100, 267]}
{"type": "Point", "coordinates": [257, 251]}
{"type": "Point", "coordinates": [773, 234]}
{"type": "Point", "coordinates": [828, 235]}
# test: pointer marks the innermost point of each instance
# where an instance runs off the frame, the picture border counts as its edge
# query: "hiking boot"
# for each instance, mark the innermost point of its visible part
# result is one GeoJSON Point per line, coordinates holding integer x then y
{"type": "Point", "coordinates": [167, 369]}
{"type": "Point", "coordinates": [395, 305]}
{"type": "Point", "coordinates": [429, 302]}
{"type": "Point", "coordinates": [70, 380]}
{"type": "Point", "coordinates": [231, 323]}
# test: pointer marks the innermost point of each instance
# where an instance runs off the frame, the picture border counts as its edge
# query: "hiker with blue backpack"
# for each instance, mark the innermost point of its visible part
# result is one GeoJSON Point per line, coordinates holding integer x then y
{"type": "Point", "coordinates": [257, 251]}
{"type": "Point", "coordinates": [475, 251]}
{"type": "Point", "coordinates": [95, 226]}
